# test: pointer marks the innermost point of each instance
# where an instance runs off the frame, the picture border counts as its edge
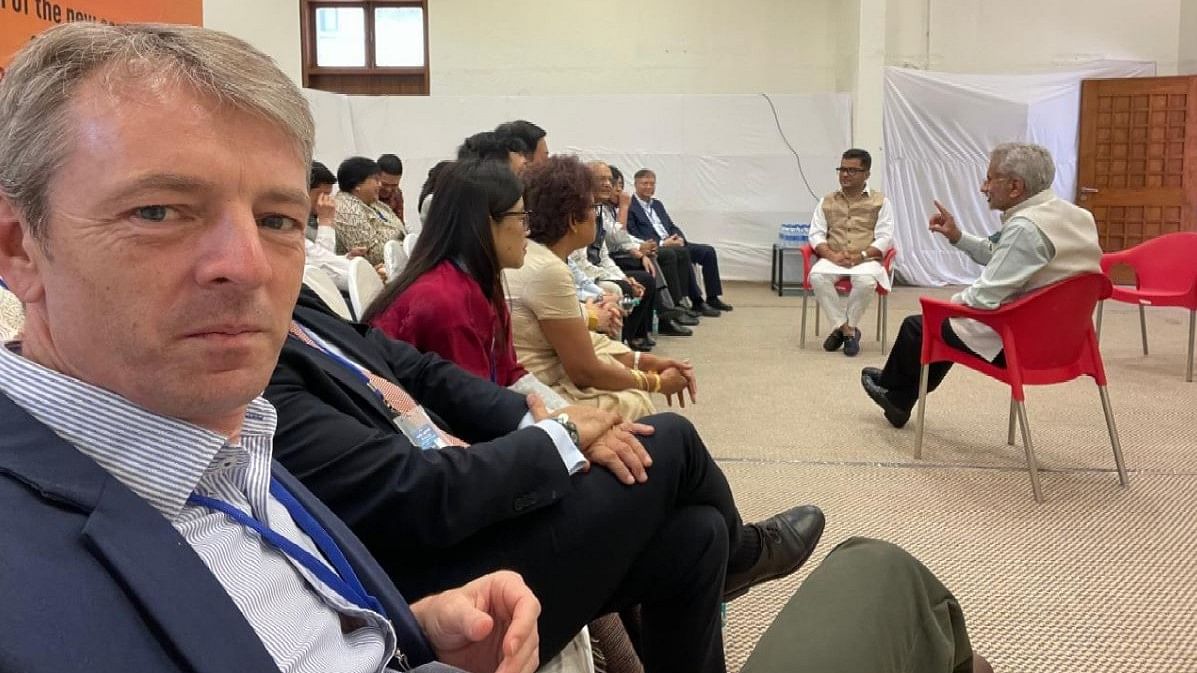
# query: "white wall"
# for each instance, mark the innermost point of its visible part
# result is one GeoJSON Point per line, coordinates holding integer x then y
{"type": "Point", "coordinates": [1187, 55]}
{"type": "Point", "coordinates": [270, 25]}
{"type": "Point", "coordinates": [1021, 36]}
{"type": "Point", "coordinates": [547, 47]}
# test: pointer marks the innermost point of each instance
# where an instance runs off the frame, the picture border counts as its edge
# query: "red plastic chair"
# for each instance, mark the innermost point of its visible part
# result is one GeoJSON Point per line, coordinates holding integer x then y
{"type": "Point", "coordinates": [844, 286]}
{"type": "Point", "coordinates": [1165, 275]}
{"type": "Point", "coordinates": [1047, 337]}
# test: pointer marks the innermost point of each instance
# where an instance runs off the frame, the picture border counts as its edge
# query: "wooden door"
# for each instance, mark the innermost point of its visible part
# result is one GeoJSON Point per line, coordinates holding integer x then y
{"type": "Point", "coordinates": [1137, 159]}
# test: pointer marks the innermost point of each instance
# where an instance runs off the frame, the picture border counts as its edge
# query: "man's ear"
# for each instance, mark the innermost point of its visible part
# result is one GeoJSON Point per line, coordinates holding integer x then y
{"type": "Point", "coordinates": [19, 255]}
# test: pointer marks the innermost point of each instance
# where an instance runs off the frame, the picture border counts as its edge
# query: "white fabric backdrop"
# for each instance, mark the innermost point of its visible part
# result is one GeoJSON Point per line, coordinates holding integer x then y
{"type": "Point", "coordinates": [723, 170]}
{"type": "Point", "coordinates": [939, 129]}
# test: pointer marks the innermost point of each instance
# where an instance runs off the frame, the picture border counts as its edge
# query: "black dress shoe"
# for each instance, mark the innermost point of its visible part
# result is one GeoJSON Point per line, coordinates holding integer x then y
{"type": "Point", "coordinates": [716, 302]}
{"type": "Point", "coordinates": [649, 341]}
{"type": "Point", "coordinates": [897, 416]}
{"type": "Point", "coordinates": [671, 328]}
{"type": "Point", "coordinates": [706, 310]}
{"type": "Point", "coordinates": [873, 373]}
{"type": "Point", "coordinates": [640, 345]}
{"type": "Point", "coordinates": [833, 341]}
{"type": "Point", "coordinates": [689, 312]}
{"type": "Point", "coordinates": [787, 540]}
{"type": "Point", "coordinates": [852, 343]}
{"type": "Point", "coordinates": [685, 319]}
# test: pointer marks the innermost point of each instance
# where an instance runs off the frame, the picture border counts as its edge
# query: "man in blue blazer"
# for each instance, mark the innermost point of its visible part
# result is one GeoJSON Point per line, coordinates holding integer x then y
{"type": "Point", "coordinates": [143, 523]}
{"type": "Point", "coordinates": [647, 220]}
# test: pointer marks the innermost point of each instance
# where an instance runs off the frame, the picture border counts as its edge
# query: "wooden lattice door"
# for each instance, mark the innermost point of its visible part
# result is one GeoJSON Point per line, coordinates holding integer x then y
{"type": "Point", "coordinates": [1136, 171]}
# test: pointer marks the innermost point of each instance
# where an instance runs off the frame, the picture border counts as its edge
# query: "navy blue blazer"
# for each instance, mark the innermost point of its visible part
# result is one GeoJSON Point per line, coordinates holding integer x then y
{"type": "Point", "coordinates": [93, 578]}
{"type": "Point", "coordinates": [640, 227]}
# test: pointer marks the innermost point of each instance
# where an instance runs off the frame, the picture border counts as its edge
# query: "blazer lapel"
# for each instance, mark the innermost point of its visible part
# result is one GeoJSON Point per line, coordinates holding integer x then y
{"type": "Point", "coordinates": [178, 593]}
{"type": "Point", "coordinates": [145, 555]}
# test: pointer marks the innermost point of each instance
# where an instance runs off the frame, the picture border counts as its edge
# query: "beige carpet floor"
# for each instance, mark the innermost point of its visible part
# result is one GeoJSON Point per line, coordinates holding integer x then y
{"type": "Point", "coordinates": [1097, 578]}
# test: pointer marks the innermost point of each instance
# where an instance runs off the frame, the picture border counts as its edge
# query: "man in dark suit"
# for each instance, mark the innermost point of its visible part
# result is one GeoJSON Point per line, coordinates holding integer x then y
{"type": "Point", "coordinates": [648, 220]}
{"type": "Point", "coordinates": [143, 524]}
{"type": "Point", "coordinates": [585, 543]}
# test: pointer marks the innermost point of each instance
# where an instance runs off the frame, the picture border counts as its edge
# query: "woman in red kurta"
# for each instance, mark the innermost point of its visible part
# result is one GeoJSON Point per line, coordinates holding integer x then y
{"type": "Point", "coordinates": [449, 298]}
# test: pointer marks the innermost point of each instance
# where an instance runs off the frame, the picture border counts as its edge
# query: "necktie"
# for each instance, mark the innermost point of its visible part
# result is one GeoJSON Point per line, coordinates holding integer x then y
{"type": "Point", "coordinates": [392, 395]}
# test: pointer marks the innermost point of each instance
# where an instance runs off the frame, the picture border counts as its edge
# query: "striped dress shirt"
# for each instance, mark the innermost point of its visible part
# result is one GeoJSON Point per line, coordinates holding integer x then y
{"type": "Point", "coordinates": [306, 626]}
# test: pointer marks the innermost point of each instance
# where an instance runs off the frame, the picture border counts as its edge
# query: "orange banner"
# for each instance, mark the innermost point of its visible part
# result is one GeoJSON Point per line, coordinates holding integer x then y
{"type": "Point", "coordinates": [22, 19]}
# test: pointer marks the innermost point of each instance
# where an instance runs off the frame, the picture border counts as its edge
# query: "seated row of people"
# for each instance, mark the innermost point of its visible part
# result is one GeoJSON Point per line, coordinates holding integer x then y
{"type": "Point", "coordinates": [342, 523]}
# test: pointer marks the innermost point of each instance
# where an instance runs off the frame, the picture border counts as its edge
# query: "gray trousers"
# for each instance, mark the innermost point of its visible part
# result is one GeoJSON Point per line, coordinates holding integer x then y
{"type": "Point", "coordinates": [869, 607]}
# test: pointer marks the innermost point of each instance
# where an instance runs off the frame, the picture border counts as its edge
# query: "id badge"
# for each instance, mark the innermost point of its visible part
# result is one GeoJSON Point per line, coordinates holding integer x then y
{"type": "Point", "coordinates": [418, 428]}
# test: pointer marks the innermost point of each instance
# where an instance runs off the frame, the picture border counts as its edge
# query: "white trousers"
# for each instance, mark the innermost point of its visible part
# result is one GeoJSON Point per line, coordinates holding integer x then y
{"type": "Point", "coordinates": [840, 310]}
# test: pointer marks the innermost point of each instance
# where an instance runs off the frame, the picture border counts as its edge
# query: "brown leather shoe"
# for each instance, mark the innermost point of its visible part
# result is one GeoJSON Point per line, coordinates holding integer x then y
{"type": "Point", "coordinates": [787, 540]}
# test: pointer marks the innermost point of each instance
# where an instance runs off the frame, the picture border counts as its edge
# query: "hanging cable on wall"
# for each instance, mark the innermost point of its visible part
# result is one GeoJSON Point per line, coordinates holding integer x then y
{"type": "Point", "coordinates": [784, 139]}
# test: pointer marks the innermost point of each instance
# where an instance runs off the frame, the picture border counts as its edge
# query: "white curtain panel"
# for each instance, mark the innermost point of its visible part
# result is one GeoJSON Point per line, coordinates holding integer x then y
{"type": "Point", "coordinates": [723, 168]}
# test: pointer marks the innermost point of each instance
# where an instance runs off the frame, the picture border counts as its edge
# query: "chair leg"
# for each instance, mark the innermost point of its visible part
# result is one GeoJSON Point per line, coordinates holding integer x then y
{"type": "Point", "coordinates": [918, 437]}
{"type": "Point", "coordinates": [1100, 307]}
{"type": "Point", "coordinates": [802, 334]}
{"type": "Point", "coordinates": [880, 300]}
{"type": "Point", "coordinates": [1010, 433]}
{"type": "Point", "coordinates": [816, 318]}
{"type": "Point", "coordinates": [1143, 326]}
{"type": "Point", "coordinates": [1113, 430]}
{"type": "Point", "coordinates": [1030, 450]}
{"type": "Point", "coordinates": [1189, 369]}
{"type": "Point", "coordinates": [884, 321]}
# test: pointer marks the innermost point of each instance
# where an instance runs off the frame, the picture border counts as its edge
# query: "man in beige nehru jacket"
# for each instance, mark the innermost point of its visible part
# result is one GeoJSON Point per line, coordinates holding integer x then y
{"type": "Point", "coordinates": [1043, 240]}
{"type": "Point", "coordinates": [851, 231]}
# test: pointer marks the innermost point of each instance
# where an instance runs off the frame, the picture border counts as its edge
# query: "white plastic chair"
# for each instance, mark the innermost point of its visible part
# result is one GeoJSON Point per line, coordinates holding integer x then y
{"type": "Point", "coordinates": [364, 285]}
{"type": "Point", "coordinates": [394, 258]}
{"type": "Point", "coordinates": [324, 287]}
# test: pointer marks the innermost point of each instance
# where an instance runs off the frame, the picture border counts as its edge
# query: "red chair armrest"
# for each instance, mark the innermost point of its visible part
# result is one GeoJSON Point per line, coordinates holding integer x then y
{"type": "Point", "coordinates": [808, 253]}
{"type": "Point", "coordinates": [1110, 259]}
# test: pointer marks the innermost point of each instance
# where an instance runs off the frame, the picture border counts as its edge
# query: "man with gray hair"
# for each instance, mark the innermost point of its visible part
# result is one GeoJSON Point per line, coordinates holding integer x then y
{"type": "Point", "coordinates": [143, 523]}
{"type": "Point", "coordinates": [1043, 240]}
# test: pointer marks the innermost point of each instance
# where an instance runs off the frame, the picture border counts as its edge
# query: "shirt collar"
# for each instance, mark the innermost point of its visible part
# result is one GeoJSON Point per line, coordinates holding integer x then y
{"type": "Point", "coordinates": [647, 205]}
{"type": "Point", "coordinates": [863, 193]}
{"type": "Point", "coordinates": [161, 459]}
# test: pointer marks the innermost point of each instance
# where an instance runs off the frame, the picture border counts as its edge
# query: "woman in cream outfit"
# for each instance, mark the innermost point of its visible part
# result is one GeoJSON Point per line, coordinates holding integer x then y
{"type": "Point", "coordinates": [552, 339]}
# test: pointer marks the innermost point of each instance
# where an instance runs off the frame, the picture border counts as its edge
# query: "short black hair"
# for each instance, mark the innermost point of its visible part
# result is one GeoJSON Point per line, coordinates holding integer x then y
{"type": "Point", "coordinates": [320, 175]}
{"type": "Point", "coordinates": [389, 163]}
{"type": "Point", "coordinates": [524, 130]}
{"type": "Point", "coordinates": [491, 145]}
{"type": "Point", "coordinates": [866, 160]}
{"type": "Point", "coordinates": [354, 171]}
{"type": "Point", "coordinates": [616, 175]}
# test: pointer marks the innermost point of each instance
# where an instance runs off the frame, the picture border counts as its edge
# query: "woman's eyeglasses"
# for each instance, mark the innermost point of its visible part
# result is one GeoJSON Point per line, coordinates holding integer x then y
{"type": "Point", "coordinates": [522, 214]}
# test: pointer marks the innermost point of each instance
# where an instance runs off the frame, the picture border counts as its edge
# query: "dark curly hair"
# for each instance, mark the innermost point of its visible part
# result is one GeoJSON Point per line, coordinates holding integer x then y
{"type": "Point", "coordinates": [558, 192]}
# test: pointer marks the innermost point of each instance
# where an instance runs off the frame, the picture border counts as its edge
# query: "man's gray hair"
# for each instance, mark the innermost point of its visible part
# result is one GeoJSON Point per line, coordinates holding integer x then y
{"type": "Point", "coordinates": [36, 133]}
{"type": "Point", "coordinates": [1031, 163]}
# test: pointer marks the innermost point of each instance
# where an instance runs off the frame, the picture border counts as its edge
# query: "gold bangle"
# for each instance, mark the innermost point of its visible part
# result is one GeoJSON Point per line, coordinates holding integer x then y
{"type": "Point", "coordinates": [641, 379]}
{"type": "Point", "coordinates": [591, 320]}
{"type": "Point", "coordinates": [656, 382]}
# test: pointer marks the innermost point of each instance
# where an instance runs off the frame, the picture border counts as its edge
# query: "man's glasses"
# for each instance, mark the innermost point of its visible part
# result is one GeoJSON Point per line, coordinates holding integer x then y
{"type": "Point", "coordinates": [850, 171]}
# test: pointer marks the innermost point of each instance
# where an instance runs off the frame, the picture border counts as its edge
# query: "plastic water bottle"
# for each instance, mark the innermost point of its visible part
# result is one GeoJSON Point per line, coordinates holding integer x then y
{"type": "Point", "coordinates": [655, 323]}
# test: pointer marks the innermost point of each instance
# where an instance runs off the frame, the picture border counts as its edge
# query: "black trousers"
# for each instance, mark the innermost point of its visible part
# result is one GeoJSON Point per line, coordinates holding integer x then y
{"type": "Point", "coordinates": [706, 257]}
{"type": "Point", "coordinates": [678, 269]}
{"type": "Point", "coordinates": [638, 323]}
{"type": "Point", "coordinates": [663, 545]}
{"type": "Point", "coordinates": [662, 300]}
{"type": "Point", "coordinates": [900, 377]}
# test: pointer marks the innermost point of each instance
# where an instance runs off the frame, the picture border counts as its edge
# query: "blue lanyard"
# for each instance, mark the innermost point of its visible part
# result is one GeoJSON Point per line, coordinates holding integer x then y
{"type": "Point", "coordinates": [343, 580]}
